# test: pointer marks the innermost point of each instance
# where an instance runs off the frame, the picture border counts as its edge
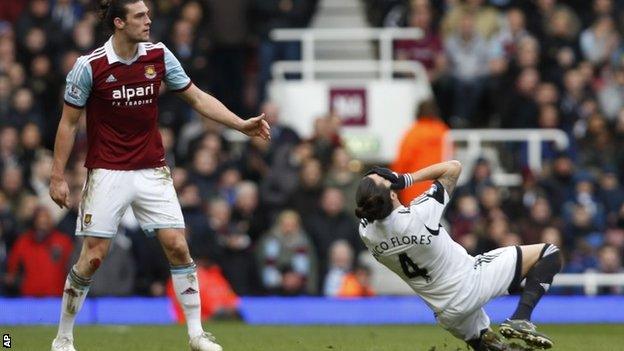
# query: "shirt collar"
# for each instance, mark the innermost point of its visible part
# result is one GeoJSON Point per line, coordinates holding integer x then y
{"type": "Point", "coordinates": [112, 56]}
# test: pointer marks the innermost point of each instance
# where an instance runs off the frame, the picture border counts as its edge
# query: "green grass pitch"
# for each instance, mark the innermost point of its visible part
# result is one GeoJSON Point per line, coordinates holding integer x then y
{"type": "Point", "coordinates": [241, 337]}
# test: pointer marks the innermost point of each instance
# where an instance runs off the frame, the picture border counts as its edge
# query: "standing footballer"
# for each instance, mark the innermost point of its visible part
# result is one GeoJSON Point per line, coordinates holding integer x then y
{"type": "Point", "coordinates": [118, 86]}
{"type": "Point", "coordinates": [410, 241]}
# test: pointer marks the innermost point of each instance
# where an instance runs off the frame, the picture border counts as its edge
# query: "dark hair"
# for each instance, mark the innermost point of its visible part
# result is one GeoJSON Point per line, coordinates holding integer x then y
{"type": "Point", "coordinates": [111, 9]}
{"type": "Point", "coordinates": [428, 108]}
{"type": "Point", "coordinates": [373, 201]}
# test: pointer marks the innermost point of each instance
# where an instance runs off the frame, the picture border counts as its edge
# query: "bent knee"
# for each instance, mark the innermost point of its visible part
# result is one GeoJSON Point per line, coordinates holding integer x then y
{"type": "Point", "coordinates": [178, 251]}
{"type": "Point", "coordinates": [552, 253]}
{"type": "Point", "coordinates": [549, 249]}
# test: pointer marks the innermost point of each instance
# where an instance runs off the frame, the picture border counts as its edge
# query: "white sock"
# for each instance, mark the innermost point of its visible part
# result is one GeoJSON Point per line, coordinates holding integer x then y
{"type": "Point", "coordinates": [74, 294]}
{"type": "Point", "coordinates": [187, 291]}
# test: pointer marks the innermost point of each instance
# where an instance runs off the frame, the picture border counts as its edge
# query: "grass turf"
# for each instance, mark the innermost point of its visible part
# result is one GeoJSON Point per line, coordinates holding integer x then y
{"type": "Point", "coordinates": [241, 337]}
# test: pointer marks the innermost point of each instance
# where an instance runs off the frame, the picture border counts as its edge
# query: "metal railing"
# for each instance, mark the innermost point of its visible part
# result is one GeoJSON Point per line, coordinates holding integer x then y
{"type": "Point", "coordinates": [590, 281]}
{"type": "Point", "coordinates": [309, 65]}
{"type": "Point", "coordinates": [533, 137]}
{"type": "Point", "coordinates": [281, 68]}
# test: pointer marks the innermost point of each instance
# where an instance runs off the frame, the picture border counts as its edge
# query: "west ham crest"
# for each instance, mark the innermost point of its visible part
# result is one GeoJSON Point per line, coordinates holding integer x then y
{"type": "Point", "coordinates": [150, 72]}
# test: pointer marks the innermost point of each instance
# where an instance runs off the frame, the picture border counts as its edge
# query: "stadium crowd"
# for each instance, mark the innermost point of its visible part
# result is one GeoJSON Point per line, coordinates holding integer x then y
{"type": "Point", "coordinates": [277, 218]}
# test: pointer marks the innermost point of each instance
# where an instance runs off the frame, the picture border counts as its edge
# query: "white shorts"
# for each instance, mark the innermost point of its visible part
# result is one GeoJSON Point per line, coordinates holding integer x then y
{"type": "Point", "coordinates": [108, 193]}
{"type": "Point", "coordinates": [495, 273]}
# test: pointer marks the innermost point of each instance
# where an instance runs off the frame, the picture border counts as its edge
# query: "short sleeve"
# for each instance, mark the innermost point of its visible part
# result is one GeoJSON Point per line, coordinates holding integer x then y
{"type": "Point", "coordinates": [175, 77]}
{"type": "Point", "coordinates": [78, 83]}
{"type": "Point", "coordinates": [431, 204]}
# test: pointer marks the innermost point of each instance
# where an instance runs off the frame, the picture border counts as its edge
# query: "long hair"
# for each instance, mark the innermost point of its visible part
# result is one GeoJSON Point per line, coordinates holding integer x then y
{"type": "Point", "coordinates": [111, 9]}
{"type": "Point", "coordinates": [373, 201]}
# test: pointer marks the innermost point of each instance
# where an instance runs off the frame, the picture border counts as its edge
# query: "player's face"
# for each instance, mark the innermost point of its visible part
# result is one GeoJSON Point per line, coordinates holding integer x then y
{"type": "Point", "coordinates": [137, 23]}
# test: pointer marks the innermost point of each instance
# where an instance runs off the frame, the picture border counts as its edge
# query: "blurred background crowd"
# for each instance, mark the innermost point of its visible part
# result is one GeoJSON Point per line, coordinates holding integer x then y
{"type": "Point", "coordinates": [277, 218]}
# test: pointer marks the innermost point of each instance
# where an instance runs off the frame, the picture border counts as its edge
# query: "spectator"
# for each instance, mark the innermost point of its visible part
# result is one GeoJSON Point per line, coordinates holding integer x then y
{"type": "Point", "coordinates": [610, 97]}
{"type": "Point", "coordinates": [585, 196]}
{"type": "Point", "coordinates": [185, 45]}
{"type": "Point", "coordinates": [280, 133]}
{"type": "Point", "coordinates": [421, 146]}
{"type": "Point", "coordinates": [466, 50]}
{"type": "Point", "coordinates": [204, 172]}
{"type": "Point", "coordinates": [357, 283]}
{"type": "Point", "coordinates": [3, 259]}
{"type": "Point", "coordinates": [237, 260]}
{"type": "Point", "coordinates": [305, 198]}
{"type": "Point", "coordinates": [611, 194]}
{"type": "Point", "coordinates": [246, 214]}
{"type": "Point", "coordinates": [9, 142]}
{"type": "Point", "coordinates": [540, 219]}
{"type": "Point", "coordinates": [559, 185]}
{"type": "Point", "coordinates": [228, 183]}
{"type": "Point", "coordinates": [5, 96]}
{"type": "Point", "coordinates": [561, 31]}
{"type": "Point", "coordinates": [481, 177]}
{"type": "Point", "coordinates": [341, 175]}
{"type": "Point", "coordinates": [326, 137]}
{"type": "Point", "coordinates": [200, 235]}
{"type": "Point", "coordinates": [609, 261]}
{"type": "Point", "coordinates": [466, 217]}
{"type": "Point", "coordinates": [13, 185]}
{"type": "Point", "coordinates": [228, 24]}
{"type": "Point", "coordinates": [331, 223]}
{"type": "Point", "coordinates": [485, 18]}
{"type": "Point", "coordinates": [286, 251]}
{"type": "Point", "coordinates": [256, 159]}
{"type": "Point", "coordinates": [8, 223]}
{"type": "Point", "coordinates": [340, 255]}
{"type": "Point", "coordinates": [513, 32]}
{"type": "Point", "coordinates": [522, 110]}
{"type": "Point", "coordinates": [552, 235]}
{"type": "Point", "coordinates": [24, 110]}
{"type": "Point", "coordinates": [66, 13]}
{"type": "Point", "coordinates": [83, 37]}
{"type": "Point", "coordinates": [274, 14]}
{"type": "Point", "coordinates": [599, 41]}
{"type": "Point", "coordinates": [491, 203]}
{"type": "Point", "coordinates": [597, 149]}
{"type": "Point", "coordinates": [10, 10]}
{"type": "Point", "coordinates": [429, 49]}
{"type": "Point", "coordinates": [39, 259]}
{"type": "Point", "coordinates": [282, 179]}
{"type": "Point", "coordinates": [152, 266]}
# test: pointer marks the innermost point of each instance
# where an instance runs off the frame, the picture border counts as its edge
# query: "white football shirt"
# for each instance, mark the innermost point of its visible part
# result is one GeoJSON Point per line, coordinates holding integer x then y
{"type": "Point", "coordinates": [412, 243]}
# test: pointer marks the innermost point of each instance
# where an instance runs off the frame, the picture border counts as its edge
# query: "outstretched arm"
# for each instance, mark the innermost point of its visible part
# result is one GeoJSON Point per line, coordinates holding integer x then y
{"type": "Point", "coordinates": [65, 136]}
{"type": "Point", "coordinates": [210, 107]}
{"type": "Point", "coordinates": [446, 173]}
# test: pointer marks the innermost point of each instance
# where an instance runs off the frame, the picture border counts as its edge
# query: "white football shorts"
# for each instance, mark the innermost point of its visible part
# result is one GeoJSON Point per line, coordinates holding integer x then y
{"type": "Point", "coordinates": [107, 194]}
{"type": "Point", "coordinates": [495, 273]}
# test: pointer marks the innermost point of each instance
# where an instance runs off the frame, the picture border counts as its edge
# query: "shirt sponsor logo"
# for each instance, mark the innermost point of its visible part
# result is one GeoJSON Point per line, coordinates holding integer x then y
{"type": "Point", "coordinates": [150, 72]}
{"type": "Point", "coordinates": [130, 95]}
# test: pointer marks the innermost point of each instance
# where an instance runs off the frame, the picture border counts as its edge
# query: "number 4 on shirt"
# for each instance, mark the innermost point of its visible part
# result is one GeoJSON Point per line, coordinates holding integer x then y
{"type": "Point", "coordinates": [411, 270]}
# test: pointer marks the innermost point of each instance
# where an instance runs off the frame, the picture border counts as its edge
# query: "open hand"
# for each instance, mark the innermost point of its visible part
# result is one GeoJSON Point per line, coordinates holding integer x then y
{"type": "Point", "coordinates": [257, 127]}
